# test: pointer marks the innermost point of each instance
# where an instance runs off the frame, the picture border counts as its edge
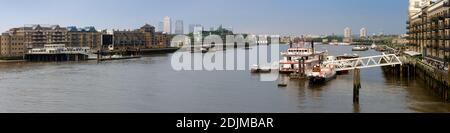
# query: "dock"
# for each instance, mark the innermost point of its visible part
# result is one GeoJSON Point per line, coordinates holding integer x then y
{"type": "Point", "coordinates": [138, 51]}
{"type": "Point", "coordinates": [57, 52]}
{"type": "Point", "coordinates": [438, 81]}
{"type": "Point", "coordinates": [158, 50]}
{"type": "Point", "coordinates": [55, 57]}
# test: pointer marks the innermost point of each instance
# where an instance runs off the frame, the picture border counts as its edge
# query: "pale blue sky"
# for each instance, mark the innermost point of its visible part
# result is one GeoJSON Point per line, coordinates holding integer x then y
{"type": "Point", "coordinates": [249, 16]}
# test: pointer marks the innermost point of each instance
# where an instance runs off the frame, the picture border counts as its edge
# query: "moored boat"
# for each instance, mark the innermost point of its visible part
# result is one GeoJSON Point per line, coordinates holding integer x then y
{"type": "Point", "coordinates": [293, 56]}
{"type": "Point", "coordinates": [345, 57]}
{"type": "Point", "coordinates": [119, 57]}
{"type": "Point", "coordinates": [204, 50]}
{"type": "Point", "coordinates": [321, 74]}
{"type": "Point", "coordinates": [360, 48]}
{"type": "Point", "coordinates": [258, 69]}
{"type": "Point", "coordinates": [380, 49]}
{"type": "Point", "coordinates": [374, 46]}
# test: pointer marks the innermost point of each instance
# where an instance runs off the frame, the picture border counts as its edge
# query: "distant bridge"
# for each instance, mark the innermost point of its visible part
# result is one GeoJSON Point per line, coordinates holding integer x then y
{"type": "Point", "coordinates": [365, 62]}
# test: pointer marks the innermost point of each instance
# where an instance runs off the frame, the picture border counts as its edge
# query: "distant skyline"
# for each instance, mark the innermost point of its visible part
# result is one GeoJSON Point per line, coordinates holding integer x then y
{"type": "Point", "coordinates": [285, 17]}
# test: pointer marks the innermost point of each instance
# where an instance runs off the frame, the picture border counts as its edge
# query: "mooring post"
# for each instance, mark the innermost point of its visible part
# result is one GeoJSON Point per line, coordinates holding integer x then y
{"type": "Point", "coordinates": [98, 55]}
{"type": "Point", "coordinates": [401, 71]}
{"type": "Point", "coordinates": [356, 85]}
{"type": "Point", "coordinates": [449, 68]}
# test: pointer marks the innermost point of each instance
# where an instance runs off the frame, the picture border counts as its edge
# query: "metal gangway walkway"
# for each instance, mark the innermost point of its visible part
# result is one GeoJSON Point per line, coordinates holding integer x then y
{"type": "Point", "coordinates": [365, 62]}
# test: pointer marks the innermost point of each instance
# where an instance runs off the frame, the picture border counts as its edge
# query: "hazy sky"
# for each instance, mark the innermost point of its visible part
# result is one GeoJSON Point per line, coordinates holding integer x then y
{"type": "Point", "coordinates": [249, 16]}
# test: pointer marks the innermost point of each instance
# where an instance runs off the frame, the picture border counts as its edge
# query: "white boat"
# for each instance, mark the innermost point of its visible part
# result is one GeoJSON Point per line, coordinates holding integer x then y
{"type": "Point", "coordinates": [118, 57]}
{"type": "Point", "coordinates": [291, 59]}
{"type": "Point", "coordinates": [204, 50]}
{"type": "Point", "coordinates": [344, 44]}
{"type": "Point", "coordinates": [321, 74]}
{"type": "Point", "coordinates": [92, 56]}
{"type": "Point", "coordinates": [374, 46]}
{"type": "Point", "coordinates": [360, 48]}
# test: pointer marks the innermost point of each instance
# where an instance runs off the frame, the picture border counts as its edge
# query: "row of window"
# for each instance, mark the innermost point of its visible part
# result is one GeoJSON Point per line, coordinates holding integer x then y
{"type": "Point", "coordinates": [13, 44]}
{"type": "Point", "coordinates": [5, 49]}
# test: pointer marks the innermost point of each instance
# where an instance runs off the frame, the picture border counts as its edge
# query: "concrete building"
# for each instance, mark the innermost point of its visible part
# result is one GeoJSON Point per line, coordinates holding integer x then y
{"type": "Point", "coordinates": [38, 35]}
{"type": "Point", "coordinates": [144, 37]}
{"type": "Point", "coordinates": [149, 35]}
{"type": "Point", "coordinates": [162, 40]}
{"type": "Point", "coordinates": [128, 39]}
{"type": "Point", "coordinates": [416, 6]}
{"type": "Point", "coordinates": [84, 37]}
{"type": "Point", "coordinates": [348, 35]}
{"type": "Point", "coordinates": [179, 27]}
{"type": "Point", "coordinates": [198, 34]}
{"type": "Point", "coordinates": [167, 25]}
{"type": "Point", "coordinates": [160, 27]}
{"type": "Point", "coordinates": [16, 41]}
{"type": "Point", "coordinates": [192, 26]}
{"type": "Point", "coordinates": [429, 30]}
{"type": "Point", "coordinates": [229, 28]}
{"type": "Point", "coordinates": [12, 44]}
{"type": "Point", "coordinates": [363, 33]}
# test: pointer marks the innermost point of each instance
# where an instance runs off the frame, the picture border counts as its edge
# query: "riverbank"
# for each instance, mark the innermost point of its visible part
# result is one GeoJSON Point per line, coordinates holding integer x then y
{"type": "Point", "coordinates": [12, 61]}
{"type": "Point", "coordinates": [435, 79]}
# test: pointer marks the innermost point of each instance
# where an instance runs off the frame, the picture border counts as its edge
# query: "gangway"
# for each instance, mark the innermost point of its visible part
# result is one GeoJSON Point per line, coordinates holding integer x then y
{"type": "Point", "coordinates": [365, 62]}
{"type": "Point", "coordinates": [357, 64]}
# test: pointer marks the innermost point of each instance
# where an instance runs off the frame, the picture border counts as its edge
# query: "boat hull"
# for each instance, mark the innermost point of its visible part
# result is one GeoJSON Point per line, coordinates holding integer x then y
{"type": "Point", "coordinates": [343, 72]}
{"type": "Point", "coordinates": [261, 70]}
{"type": "Point", "coordinates": [320, 80]}
{"type": "Point", "coordinates": [119, 58]}
{"type": "Point", "coordinates": [363, 49]}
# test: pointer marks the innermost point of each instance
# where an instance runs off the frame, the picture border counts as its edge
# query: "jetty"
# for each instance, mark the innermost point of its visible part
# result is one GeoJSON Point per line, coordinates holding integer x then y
{"type": "Point", "coordinates": [57, 52]}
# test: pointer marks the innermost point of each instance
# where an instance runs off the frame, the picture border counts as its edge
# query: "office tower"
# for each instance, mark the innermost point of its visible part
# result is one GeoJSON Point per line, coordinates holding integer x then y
{"type": "Point", "coordinates": [167, 25]}
{"type": "Point", "coordinates": [179, 27]}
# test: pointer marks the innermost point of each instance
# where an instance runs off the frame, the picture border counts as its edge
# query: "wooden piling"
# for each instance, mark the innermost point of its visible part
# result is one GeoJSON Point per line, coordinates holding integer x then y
{"type": "Point", "coordinates": [356, 85]}
{"type": "Point", "coordinates": [401, 72]}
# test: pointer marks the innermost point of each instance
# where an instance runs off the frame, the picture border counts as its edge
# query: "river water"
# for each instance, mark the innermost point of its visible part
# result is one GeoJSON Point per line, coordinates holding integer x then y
{"type": "Point", "coordinates": [150, 84]}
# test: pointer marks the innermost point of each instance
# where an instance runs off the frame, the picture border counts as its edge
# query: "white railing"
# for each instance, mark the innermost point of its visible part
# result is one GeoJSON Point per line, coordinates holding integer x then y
{"type": "Point", "coordinates": [365, 62]}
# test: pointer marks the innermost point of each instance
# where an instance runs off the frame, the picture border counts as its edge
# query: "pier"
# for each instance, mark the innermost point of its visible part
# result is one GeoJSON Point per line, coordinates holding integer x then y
{"type": "Point", "coordinates": [55, 57]}
{"type": "Point", "coordinates": [438, 81]}
{"type": "Point", "coordinates": [57, 52]}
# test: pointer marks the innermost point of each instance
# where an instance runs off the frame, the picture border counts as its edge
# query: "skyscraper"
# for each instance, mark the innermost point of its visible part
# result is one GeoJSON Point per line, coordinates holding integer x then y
{"type": "Point", "coordinates": [363, 33]}
{"type": "Point", "coordinates": [198, 34]}
{"type": "Point", "coordinates": [229, 28]}
{"type": "Point", "coordinates": [167, 25]}
{"type": "Point", "coordinates": [160, 26]}
{"type": "Point", "coordinates": [348, 35]}
{"type": "Point", "coordinates": [347, 32]}
{"type": "Point", "coordinates": [192, 26]}
{"type": "Point", "coordinates": [179, 27]}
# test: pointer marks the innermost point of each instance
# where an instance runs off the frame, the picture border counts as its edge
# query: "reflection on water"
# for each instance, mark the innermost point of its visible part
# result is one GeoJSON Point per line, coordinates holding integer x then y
{"type": "Point", "coordinates": [150, 85]}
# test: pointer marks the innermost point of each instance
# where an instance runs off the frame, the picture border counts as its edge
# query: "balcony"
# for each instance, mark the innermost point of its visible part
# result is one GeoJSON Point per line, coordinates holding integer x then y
{"type": "Point", "coordinates": [446, 4]}
{"type": "Point", "coordinates": [444, 49]}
